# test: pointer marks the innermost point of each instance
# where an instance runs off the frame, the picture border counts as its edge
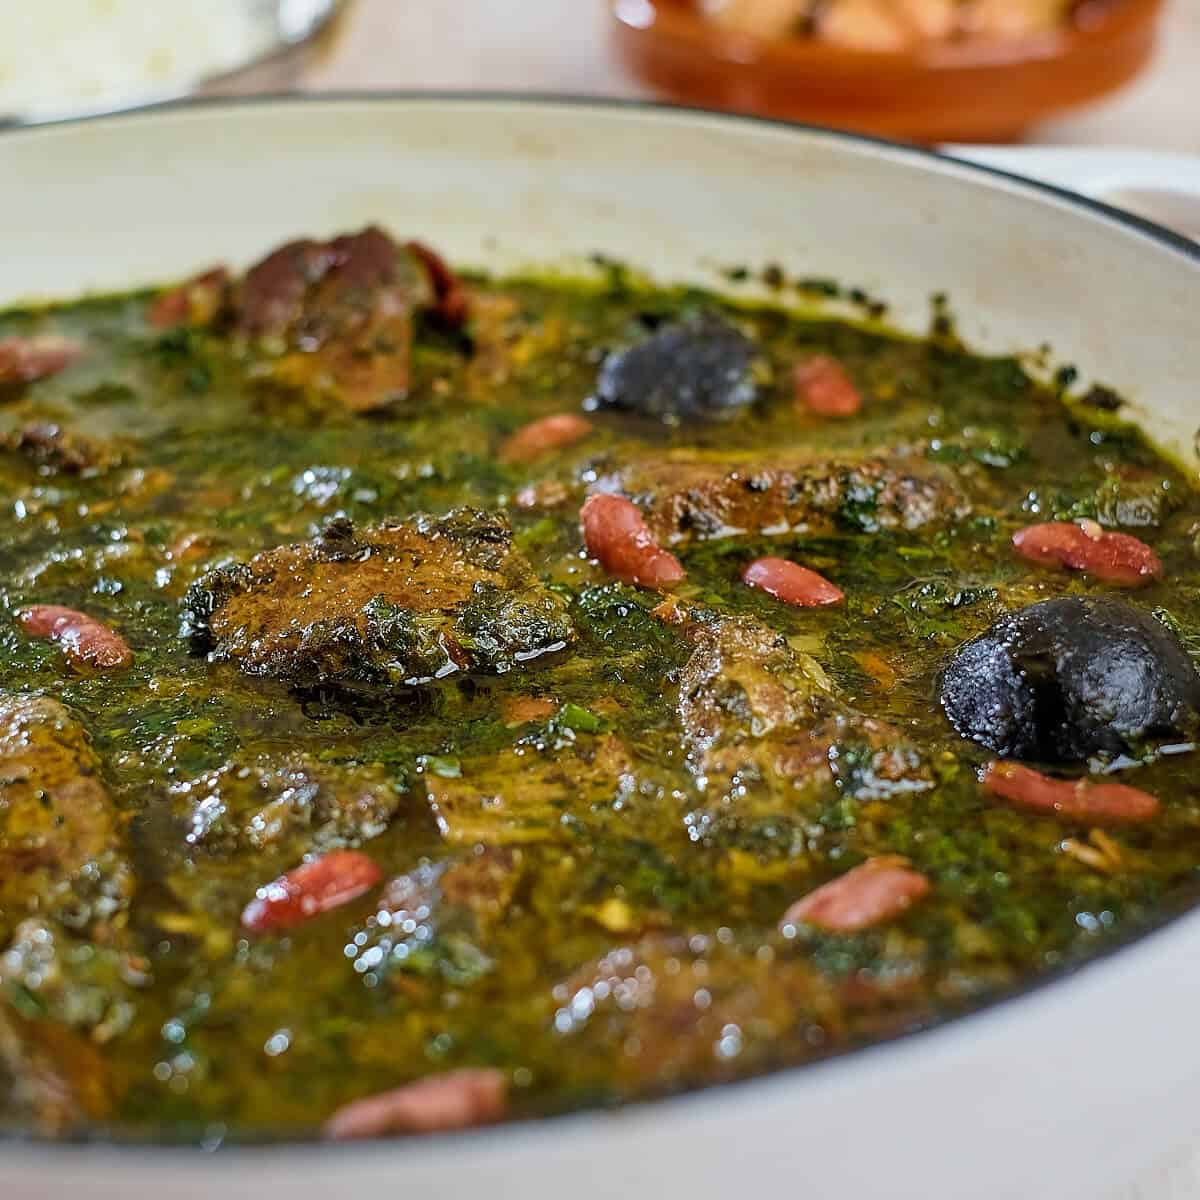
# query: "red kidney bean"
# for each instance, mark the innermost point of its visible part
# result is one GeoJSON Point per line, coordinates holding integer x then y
{"type": "Point", "coordinates": [616, 535]}
{"type": "Point", "coordinates": [28, 359]}
{"type": "Point", "coordinates": [539, 437]}
{"type": "Point", "coordinates": [878, 890]}
{"type": "Point", "coordinates": [1115, 557]}
{"type": "Point", "coordinates": [453, 1100]}
{"type": "Point", "coordinates": [1072, 799]}
{"type": "Point", "coordinates": [791, 583]}
{"type": "Point", "coordinates": [311, 889]}
{"type": "Point", "coordinates": [823, 387]}
{"type": "Point", "coordinates": [85, 641]}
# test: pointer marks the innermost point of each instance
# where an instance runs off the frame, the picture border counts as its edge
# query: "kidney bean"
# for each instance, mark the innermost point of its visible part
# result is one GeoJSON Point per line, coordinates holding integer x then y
{"type": "Point", "coordinates": [823, 387]}
{"type": "Point", "coordinates": [453, 1100]}
{"type": "Point", "coordinates": [1085, 546]}
{"type": "Point", "coordinates": [550, 433]}
{"type": "Point", "coordinates": [85, 641]}
{"type": "Point", "coordinates": [311, 889]}
{"type": "Point", "coordinates": [28, 359]}
{"type": "Point", "coordinates": [194, 302]}
{"type": "Point", "coordinates": [791, 583]}
{"type": "Point", "coordinates": [878, 890]}
{"type": "Point", "coordinates": [616, 535]}
{"type": "Point", "coordinates": [1072, 799]}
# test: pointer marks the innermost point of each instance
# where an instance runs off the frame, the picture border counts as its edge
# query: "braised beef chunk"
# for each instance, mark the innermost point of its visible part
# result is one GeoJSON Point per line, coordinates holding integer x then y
{"type": "Point", "coordinates": [689, 497]}
{"type": "Point", "coordinates": [695, 370]}
{"type": "Point", "coordinates": [767, 732]}
{"type": "Point", "coordinates": [404, 602]}
{"type": "Point", "coordinates": [59, 837]}
{"type": "Point", "coordinates": [52, 447]}
{"type": "Point", "coordinates": [744, 680]}
{"type": "Point", "coordinates": [342, 314]}
{"type": "Point", "coordinates": [525, 796]}
{"type": "Point", "coordinates": [666, 1011]}
{"type": "Point", "coordinates": [52, 1080]}
{"type": "Point", "coordinates": [295, 802]}
{"type": "Point", "coordinates": [69, 979]}
{"type": "Point", "coordinates": [1070, 678]}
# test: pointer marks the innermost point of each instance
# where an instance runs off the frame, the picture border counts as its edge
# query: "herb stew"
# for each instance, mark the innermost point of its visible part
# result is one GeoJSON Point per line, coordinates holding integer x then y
{"type": "Point", "coordinates": [426, 701]}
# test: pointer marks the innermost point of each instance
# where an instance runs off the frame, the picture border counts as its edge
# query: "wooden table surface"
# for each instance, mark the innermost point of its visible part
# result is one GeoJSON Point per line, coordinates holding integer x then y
{"type": "Point", "coordinates": [562, 46]}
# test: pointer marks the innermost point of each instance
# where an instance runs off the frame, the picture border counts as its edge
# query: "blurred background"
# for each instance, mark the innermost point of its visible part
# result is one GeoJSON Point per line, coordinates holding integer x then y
{"type": "Point", "coordinates": [1118, 72]}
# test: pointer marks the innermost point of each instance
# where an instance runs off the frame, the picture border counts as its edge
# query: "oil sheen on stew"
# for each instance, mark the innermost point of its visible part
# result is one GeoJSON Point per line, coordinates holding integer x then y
{"type": "Point", "coordinates": [427, 700]}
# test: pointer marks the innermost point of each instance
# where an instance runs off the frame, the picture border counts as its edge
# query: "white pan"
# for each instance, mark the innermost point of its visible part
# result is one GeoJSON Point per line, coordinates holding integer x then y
{"type": "Point", "coordinates": [1064, 1092]}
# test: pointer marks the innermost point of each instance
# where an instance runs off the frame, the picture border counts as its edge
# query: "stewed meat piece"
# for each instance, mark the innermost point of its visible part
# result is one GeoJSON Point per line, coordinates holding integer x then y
{"type": "Point", "coordinates": [337, 316]}
{"type": "Point", "coordinates": [689, 496]}
{"type": "Point", "coordinates": [58, 826]}
{"type": "Point", "coordinates": [297, 803]}
{"type": "Point", "coordinates": [400, 603]}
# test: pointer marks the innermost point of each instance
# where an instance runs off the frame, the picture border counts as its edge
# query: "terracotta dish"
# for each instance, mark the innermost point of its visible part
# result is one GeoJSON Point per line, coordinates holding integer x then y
{"type": "Point", "coordinates": [969, 90]}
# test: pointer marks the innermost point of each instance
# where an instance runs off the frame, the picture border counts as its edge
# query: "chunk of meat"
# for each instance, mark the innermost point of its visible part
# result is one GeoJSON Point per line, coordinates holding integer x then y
{"type": "Point", "coordinates": [311, 889]}
{"type": "Point", "coordinates": [428, 926]}
{"type": "Point", "coordinates": [52, 1080]}
{"type": "Point", "coordinates": [485, 882]}
{"type": "Point", "coordinates": [669, 1010]}
{"type": "Point", "coordinates": [439, 904]}
{"type": "Point", "coordinates": [1116, 558]}
{"type": "Point", "coordinates": [744, 681]}
{"type": "Point", "coordinates": [197, 301]}
{"type": "Point", "coordinates": [1066, 679]}
{"type": "Point", "coordinates": [1136, 498]}
{"type": "Point", "coordinates": [1079, 800]}
{"type": "Point", "coordinates": [342, 312]}
{"type": "Point", "coordinates": [540, 437]}
{"type": "Point", "coordinates": [694, 370]}
{"type": "Point", "coordinates": [296, 803]}
{"type": "Point", "coordinates": [86, 642]}
{"type": "Point", "coordinates": [767, 734]}
{"type": "Point", "coordinates": [403, 602]}
{"type": "Point", "coordinates": [86, 981]}
{"type": "Point", "coordinates": [792, 583]}
{"type": "Point", "coordinates": [28, 359]}
{"type": "Point", "coordinates": [59, 836]}
{"type": "Point", "coordinates": [617, 537]}
{"type": "Point", "coordinates": [691, 496]}
{"type": "Point", "coordinates": [53, 447]}
{"type": "Point", "coordinates": [823, 388]}
{"type": "Point", "coordinates": [437, 1104]}
{"type": "Point", "coordinates": [878, 890]}
{"type": "Point", "coordinates": [524, 796]}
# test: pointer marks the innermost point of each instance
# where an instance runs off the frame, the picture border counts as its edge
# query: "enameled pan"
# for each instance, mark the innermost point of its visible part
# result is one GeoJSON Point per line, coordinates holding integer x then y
{"type": "Point", "coordinates": [1062, 1092]}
